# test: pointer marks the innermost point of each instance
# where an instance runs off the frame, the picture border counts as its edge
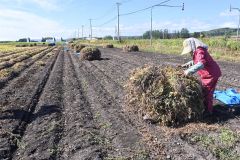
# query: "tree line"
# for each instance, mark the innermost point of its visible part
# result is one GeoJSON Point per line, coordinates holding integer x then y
{"type": "Point", "coordinates": [165, 34]}
{"type": "Point", "coordinates": [183, 33]}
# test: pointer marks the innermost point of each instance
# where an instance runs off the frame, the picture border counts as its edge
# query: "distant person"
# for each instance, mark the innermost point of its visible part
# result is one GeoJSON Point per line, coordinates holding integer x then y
{"type": "Point", "coordinates": [205, 66]}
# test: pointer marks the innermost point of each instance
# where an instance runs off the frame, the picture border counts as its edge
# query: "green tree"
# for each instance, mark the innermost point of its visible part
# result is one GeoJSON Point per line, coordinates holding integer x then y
{"type": "Point", "coordinates": [202, 35]}
{"type": "Point", "coordinates": [146, 35]}
{"type": "Point", "coordinates": [184, 33]}
{"type": "Point", "coordinates": [165, 34]}
{"type": "Point", "coordinates": [155, 34]}
{"type": "Point", "coordinates": [23, 40]}
{"type": "Point", "coordinates": [108, 37]}
{"type": "Point", "coordinates": [196, 34]}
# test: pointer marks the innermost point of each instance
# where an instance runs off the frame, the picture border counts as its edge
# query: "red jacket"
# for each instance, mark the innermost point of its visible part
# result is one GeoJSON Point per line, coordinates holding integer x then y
{"type": "Point", "coordinates": [211, 68]}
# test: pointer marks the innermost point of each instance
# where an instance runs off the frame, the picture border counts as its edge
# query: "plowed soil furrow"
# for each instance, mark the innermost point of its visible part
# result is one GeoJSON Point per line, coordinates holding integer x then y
{"type": "Point", "coordinates": [28, 63]}
{"type": "Point", "coordinates": [81, 137]}
{"type": "Point", "coordinates": [124, 57]}
{"type": "Point", "coordinates": [10, 53]}
{"type": "Point", "coordinates": [43, 133]}
{"type": "Point", "coordinates": [113, 86]}
{"type": "Point", "coordinates": [116, 63]}
{"type": "Point", "coordinates": [113, 123]}
{"type": "Point", "coordinates": [11, 60]}
{"type": "Point", "coordinates": [16, 101]}
{"type": "Point", "coordinates": [3, 55]}
{"type": "Point", "coordinates": [140, 58]}
{"type": "Point", "coordinates": [8, 64]}
{"type": "Point", "coordinates": [152, 150]}
{"type": "Point", "coordinates": [230, 65]}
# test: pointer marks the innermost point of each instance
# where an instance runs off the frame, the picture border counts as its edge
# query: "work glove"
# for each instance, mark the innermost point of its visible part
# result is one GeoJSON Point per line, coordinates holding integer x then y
{"type": "Point", "coordinates": [186, 72]}
{"type": "Point", "coordinates": [181, 66]}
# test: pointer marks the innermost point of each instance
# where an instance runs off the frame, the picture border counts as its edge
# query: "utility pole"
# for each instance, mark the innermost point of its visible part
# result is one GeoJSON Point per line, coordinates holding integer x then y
{"type": "Point", "coordinates": [238, 18]}
{"type": "Point", "coordinates": [78, 33]}
{"type": "Point", "coordinates": [161, 5]}
{"type": "Point", "coordinates": [115, 35]}
{"type": "Point", "coordinates": [118, 32]}
{"type": "Point", "coordinates": [82, 31]}
{"type": "Point", "coordinates": [90, 20]}
{"type": "Point", "coordinates": [151, 28]}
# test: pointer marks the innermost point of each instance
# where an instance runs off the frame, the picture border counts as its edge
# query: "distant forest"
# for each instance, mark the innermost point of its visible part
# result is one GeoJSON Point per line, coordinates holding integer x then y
{"type": "Point", "coordinates": [221, 32]}
{"type": "Point", "coordinates": [184, 33]}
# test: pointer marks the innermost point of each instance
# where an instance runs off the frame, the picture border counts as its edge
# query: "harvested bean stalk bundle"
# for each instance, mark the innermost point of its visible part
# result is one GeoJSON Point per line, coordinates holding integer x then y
{"type": "Point", "coordinates": [164, 94]}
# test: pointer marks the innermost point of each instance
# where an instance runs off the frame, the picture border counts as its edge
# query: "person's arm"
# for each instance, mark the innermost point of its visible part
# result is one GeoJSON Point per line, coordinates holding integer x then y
{"type": "Point", "coordinates": [193, 69]}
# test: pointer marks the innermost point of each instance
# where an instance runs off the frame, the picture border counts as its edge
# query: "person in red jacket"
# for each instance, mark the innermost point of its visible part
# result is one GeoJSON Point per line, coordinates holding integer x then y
{"type": "Point", "coordinates": [205, 66]}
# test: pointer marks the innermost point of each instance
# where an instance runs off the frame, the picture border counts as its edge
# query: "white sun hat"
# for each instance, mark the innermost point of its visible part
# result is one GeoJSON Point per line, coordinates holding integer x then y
{"type": "Point", "coordinates": [191, 44]}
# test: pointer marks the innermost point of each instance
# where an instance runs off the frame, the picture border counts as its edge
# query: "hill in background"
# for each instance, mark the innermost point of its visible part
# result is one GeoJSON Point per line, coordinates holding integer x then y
{"type": "Point", "coordinates": [221, 32]}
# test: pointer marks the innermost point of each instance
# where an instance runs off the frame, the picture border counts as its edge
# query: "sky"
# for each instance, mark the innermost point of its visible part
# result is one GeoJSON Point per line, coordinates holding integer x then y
{"type": "Point", "coordinates": [67, 18]}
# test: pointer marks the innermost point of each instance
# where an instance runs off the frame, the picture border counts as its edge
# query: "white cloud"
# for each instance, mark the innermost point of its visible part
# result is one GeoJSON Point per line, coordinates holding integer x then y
{"type": "Point", "coordinates": [15, 24]}
{"type": "Point", "coordinates": [47, 4]}
{"type": "Point", "coordinates": [50, 5]}
{"type": "Point", "coordinates": [228, 25]}
{"type": "Point", "coordinates": [227, 13]}
{"type": "Point", "coordinates": [191, 24]}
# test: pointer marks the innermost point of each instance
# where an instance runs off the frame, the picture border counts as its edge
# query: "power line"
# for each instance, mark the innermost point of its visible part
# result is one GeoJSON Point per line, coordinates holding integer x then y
{"type": "Point", "coordinates": [125, 1]}
{"type": "Point", "coordinates": [105, 14]}
{"type": "Point", "coordinates": [140, 10]}
{"type": "Point", "coordinates": [110, 11]}
{"type": "Point", "coordinates": [110, 20]}
{"type": "Point", "coordinates": [170, 6]}
{"type": "Point", "coordinates": [161, 5]}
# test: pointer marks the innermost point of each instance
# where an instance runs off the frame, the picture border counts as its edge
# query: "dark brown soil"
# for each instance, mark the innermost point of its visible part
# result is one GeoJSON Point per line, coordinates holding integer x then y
{"type": "Point", "coordinates": [72, 109]}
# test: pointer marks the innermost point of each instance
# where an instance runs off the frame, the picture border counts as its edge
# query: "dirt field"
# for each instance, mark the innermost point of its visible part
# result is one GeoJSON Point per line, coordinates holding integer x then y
{"type": "Point", "coordinates": [68, 109]}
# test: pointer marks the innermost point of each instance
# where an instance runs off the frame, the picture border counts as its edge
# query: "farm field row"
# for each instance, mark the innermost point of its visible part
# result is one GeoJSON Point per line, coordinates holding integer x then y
{"type": "Point", "coordinates": [59, 107]}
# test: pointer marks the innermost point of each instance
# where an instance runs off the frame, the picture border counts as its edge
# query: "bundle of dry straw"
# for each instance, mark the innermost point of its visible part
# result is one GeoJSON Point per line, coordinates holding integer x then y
{"type": "Point", "coordinates": [90, 53]}
{"type": "Point", "coordinates": [108, 46]}
{"type": "Point", "coordinates": [79, 47]}
{"type": "Point", "coordinates": [132, 48]}
{"type": "Point", "coordinates": [165, 94]}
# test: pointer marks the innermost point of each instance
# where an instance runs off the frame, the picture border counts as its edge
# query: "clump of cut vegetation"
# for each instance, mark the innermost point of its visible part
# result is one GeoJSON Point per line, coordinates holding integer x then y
{"type": "Point", "coordinates": [6, 72]}
{"type": "Point", "coordinates": [90, 53]}
{"type": "Point", "coordinates": [164, 94]}
{"type": "Point", "coordinates": [132, 48]}
{"type": "Point", "coordinates": [40, 63]}
{"type": "Point", "coordinates": [108, 46]}
{"type": "Point", "coordinates": [72, 45]}
{"type": "Point", "coordinates": [79, 47]}
{"type": "Point", "coordinates": [22, 45]}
